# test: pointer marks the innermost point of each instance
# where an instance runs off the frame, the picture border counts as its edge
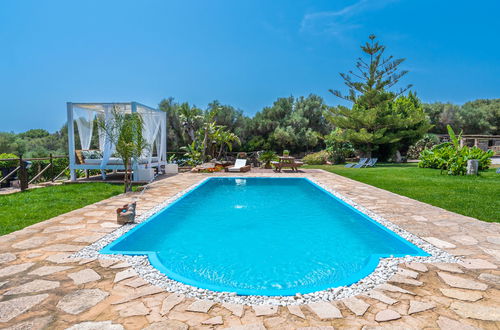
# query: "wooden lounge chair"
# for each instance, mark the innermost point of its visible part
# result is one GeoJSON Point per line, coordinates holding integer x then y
{"type": "Point", "coordinates": [239, 166]}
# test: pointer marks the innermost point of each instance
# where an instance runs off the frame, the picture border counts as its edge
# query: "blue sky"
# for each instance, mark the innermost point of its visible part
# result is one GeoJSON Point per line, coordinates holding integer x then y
{"type": "Point", "coordinates": [243, 53]}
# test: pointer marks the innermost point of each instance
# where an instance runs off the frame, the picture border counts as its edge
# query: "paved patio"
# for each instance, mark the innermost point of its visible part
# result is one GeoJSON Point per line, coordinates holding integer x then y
{"type": "Point", "coordinates": [41, 287]}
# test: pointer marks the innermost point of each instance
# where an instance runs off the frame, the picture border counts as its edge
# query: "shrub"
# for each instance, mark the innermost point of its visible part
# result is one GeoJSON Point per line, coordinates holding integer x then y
{"type": "Point", "coordinates": [451, 157]}
{"type": "Point", "coordinates": [317, 158]}
{"type": "Point", "coordinates": [8, 163]}
{"type": "Point", "coordinates": [427, 142]}
{"type": "Point", "coordinates": [338, 148]}
{"type": "Point", "coordinates": [267, 157]}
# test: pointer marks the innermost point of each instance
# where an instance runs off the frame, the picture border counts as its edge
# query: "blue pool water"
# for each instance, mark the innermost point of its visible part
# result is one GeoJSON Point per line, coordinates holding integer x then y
{"type": "Point", "coordinates": [262, 236]}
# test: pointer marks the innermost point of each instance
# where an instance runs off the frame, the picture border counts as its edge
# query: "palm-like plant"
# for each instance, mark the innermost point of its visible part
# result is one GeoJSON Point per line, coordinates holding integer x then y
{"type": "Point", "coordinates": [225, 138]}
{"type": "Point", "coordinates": [267, 157]}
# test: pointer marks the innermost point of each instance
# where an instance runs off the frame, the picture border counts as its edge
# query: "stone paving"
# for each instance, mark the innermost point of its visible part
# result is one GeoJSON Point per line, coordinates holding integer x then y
{"type": "Point", "coordinates": [42, 287]}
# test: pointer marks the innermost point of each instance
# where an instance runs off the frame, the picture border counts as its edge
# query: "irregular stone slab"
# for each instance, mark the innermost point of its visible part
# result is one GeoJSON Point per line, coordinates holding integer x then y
{"type": "Point", "coordinates": [295, 310]}
{"type": "Point", "coordinates": [105, 263]}
{"type": "Point", "coordinates": [86, 261]}
{"type": "Point", "coordinates": [103, 325]}
{"type": "Point", "coordinates": [134, 309]}
{"type": "Point", "coordinates": [440, 243]}
{"type": "Point", "coordinates": [357, 306]}
{"type": "Point", "coordinates": [33, 286]}
{"type": "Point", "coordinates": [135, 283]}
{"type": "Point", "coordinates": [7, 257]}
{"type": "Point", "coordinates": [139, 293]}
{"type": "Point", "coordinates": [493, 239]}
{"type": "Point", "coordinates": [462, 294]}
{"type": "Point", "coordinates": [477, 264]}
{"type": "Point", "coordinates": [14, 307]}
{"type": "Point", "coordinates": [464, 239]}
{"type": "Point", "coordinates": [87, 239]}
{"type": "Point", "coordinates": [419, 218]}
{"type": "Point", "coordinates": [168, 324]}
{"type": "Point", "coordinates": [265, 310]}
{"type": "Point", "coordinates": [462, 283]}
{"type": "Point", "coordinates": [61, 258]}
{"type": "Point", "coordinates": [2, 283]}
{"type": "Point", "coordinates": [407, 273]}
{"type": "Point", "coordinates": [322, 327]}
{"type": "Point", "coordinates": [170, 302]}
{"type": "Point", "coordinates": [419, 267]}
{"type": "Point", "coordinates": [33, 255]}
{"type": "Point", "coordinates": [109, 224]}
{"type": "Point", "coordinates": [445, 323]}
{"type": "Point", "coordinates": [255, 326]}
{"type": "Point", "coordinates": [200, 306]}
{"type": "Point", "coordinates": [124, 274]}
{"type": "Point", "coordinates": [84, 276]}
{"type": "Point", "coordinates": [14, 269]}
{"type": "Point", "coordinates": [405, 280]}
{"type": "Point", "coordinates": [490, 278]}
{"type": "Point", "coordinates": [325, 311]}
{"type": "Point", "coordinates": [121, 265]}
{"type": "Point", "coordinates": [79, 301]}
{"type": "Point", "coordinates": [236, 309]}
{"type": "Point", "coordinates": [39, 323]}
{"type": "Point", "coordinates": [419, 306]}
{"type": "Point", "coordinates": [476, 311]}
{"type": "Point", "coordinates": [62, 248]}
{"type": "Point", "coordinates": [387, 315]}
{"type": "Point", "coordinates": [377, 295]}
{"type": "Point", "coordinates": [72, 221]}
{"type": "Point", "coordinates": [492, 252]}
{"type": "Point", "coordinates": [393, 288]}
{"type": "Point", "coordinates": [452, 268]}
{"type": "Point", "coordinates": [47, 270]}
{"type": "Point", "coordinates": [56, 229]}
{"type": "Point", "coordinates": [214, 321]}
{"type": "Point", "coordinates": [30, 243]}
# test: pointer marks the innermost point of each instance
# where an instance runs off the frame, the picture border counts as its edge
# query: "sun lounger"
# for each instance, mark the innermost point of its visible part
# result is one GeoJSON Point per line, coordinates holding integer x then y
{"type": "Point", "coordinates": [239, 166]}
{"type": "Point", "coordinates": [498, 170]}
{"type": "Point", "coordinates": [361, 162]}
{"type": "Point", "coordinates": [371, 162]}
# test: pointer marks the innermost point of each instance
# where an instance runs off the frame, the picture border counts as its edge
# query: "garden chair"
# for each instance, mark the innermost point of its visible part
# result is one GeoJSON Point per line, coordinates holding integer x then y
{"type": "Point", "coordinates": [361, 162]}
{"type": "Point", "coordinates": [371, 162]}
{"type": "Point", "coordinates": [498, 170]}
{"type": "Point", "coordinates": [239, 166]}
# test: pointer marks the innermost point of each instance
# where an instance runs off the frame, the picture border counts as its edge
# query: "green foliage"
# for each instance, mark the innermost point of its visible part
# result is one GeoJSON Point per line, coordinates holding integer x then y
{"type": "Point", "coordinates": [427, 142]}
{"type": "Point", "coordinates": [317, 158]}
{"type": "Point", "coordinates": [267, 157]}
{"type": "Point", "coordinates": [470, 195]}
{"type": "Point", "coordinates": [192, 153]}
{"type": "Point", "coordinates": [8, 163]}
{"type": "Point", "coordinates": [338, 147]}
{"type": "Point", "coordinates": [379, 121]}
{"type": "Point", "coordinates": [452, 158]}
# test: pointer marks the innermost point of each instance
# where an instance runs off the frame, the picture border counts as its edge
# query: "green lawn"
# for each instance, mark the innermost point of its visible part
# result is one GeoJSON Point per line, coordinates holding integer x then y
{"type": "Point", "coordinates": [477, 197]}
{"type": "Point", "coordinates": [22, 209]}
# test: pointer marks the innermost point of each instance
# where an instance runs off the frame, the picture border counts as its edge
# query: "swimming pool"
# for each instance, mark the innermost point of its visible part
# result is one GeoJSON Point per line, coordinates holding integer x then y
{"type": "Point", "coordinates": [262, 236]}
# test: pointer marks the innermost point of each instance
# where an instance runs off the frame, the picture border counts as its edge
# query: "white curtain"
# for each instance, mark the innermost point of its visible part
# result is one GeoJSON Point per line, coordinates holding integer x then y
{"type": "Point", "coordinates": [151, 126]}
{"type": "Point", "coordinates": [85, 122]}
{"type": "Point", "coordinates": [106, 146]}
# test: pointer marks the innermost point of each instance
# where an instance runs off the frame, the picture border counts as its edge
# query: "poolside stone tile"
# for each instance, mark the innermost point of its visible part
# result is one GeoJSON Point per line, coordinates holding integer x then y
{"type": "Point", "coordinates": [217, 320]}
{"type": "Point", "coordinates": [55, 229]}
{"type": "Point", "coordinates": [420, 306]}
{"type": "Point", "coordinates": [325, 310]}
{"type": "Point", "coordinates": [387, 315]}
{"type": "Point", "coordinates": [462, 283]}
{"type": "Point", "coordinates": [33, 255]}
{"type": "Point", "coordinates": [12, 308]}
{"type": "Point", "coordinates": [87, 239]}
{"type": "Point", "coordinates": [445, 323]}
{"type": "Point", "coordinates": [105, 263]}
{"type": "Point", "coordinates": [168, 324]}
{"type": "Point", "coordinates": [377, 295]}
{"type": "Point", "coordinates": [136, 282]}
{"type": "Point", "coordinates": [72, 220]}
{"type": "Point", "coordinates": [47, 270]}
{"type": "Point", "coordinates": [200, 306]}
{"type": "Point", "coordinates": [3, 283]}
{"type": "Point", "coordinates": [405, 280]}
{"type": "Point", "coordinates": [61, 258]}
{"type": "Point", "coordinates": [393, 288]}
{"type": "Point", "coordinates": [236, 309]}
{"type": "Point", "coordinates": [120, 265]}
{"type": "Point", "coordinates": [440, 243]}
{"type": "Point", "coordinates": [490, 278]}
{"type": "Point", "coordinates": [265, 310]}
{"type": "Point", "coordinates": [476, 311]}
{"type": "Point", "coordinates": [465, 295]}
{"type": "Point", "coordinates": [84, 276]}
{"type": "Point", "coordinates": [102, 325]}
{"type": "Point", "coordinates": [419, 267]}
{"type": "Point", "coordinates": [14, 269]}
{"type": "Point", "coordinates": [33, 287]}
{"type": "Point", "coordinates": [30, 243]}
{"type": "Point", "coordinates": [139, 293]}
{"type": "Point", "coordinates": [295, 310]}
{"type": "Point", "coordinates": [451, 268]}
{"type": "Point", "coordinates": [477, 264]}
{"type": "Point", "coordinates": [7, 257]}
{"type": "Point", "coordinates": [357, 306]}
{"type": "Point", "coordinates": [39, 323]}
{"type": "Point", "coordinates": [136, 308]}
{"type": "Point", "coordinates": [464, 239]}
{"type": "Point", "coordinates": [124, 274]}
{"type": "Point", "coordinates": [79, 301]}
{"type": "Point", "coordinates": [62, 248]}
{"type": "Point", "coordinates": [407, 273]}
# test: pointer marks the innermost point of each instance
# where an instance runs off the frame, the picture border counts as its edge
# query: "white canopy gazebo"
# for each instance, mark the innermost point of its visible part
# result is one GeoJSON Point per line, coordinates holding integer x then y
{"type": "Point", "coordinates": [84, 114]}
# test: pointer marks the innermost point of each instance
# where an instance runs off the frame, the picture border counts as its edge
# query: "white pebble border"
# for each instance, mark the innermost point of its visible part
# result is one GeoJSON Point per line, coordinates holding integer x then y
{"type": "Point", "coordinates": [386, 268]}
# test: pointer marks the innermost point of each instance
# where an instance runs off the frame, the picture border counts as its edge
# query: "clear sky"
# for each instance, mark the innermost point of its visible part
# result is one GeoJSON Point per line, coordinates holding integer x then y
{"type": "Point", "coordinates": [242, 52]}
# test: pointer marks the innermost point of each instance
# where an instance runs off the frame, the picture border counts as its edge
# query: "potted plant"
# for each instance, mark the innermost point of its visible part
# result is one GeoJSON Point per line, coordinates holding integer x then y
{"type": "Point", "coordinates": [286, 153]}
{"type": "Point", "coordinates": [171, 166]}
{"type": "Point", "coordinates": [267, 157]}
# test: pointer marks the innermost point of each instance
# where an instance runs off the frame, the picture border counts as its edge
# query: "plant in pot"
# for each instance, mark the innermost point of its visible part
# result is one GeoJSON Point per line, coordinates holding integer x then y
{"type": "Point", "coordinates": [286, 153]}
{"type": "Point", "coordinates": [267, 157]}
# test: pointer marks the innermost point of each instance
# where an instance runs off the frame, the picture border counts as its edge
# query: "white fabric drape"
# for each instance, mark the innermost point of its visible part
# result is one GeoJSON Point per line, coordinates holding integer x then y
{"type": "Point", "coordinates": [108, 147]}
{"type": "Point", "coordinates": [85, 122]}
{"type": "Point", "coordinates": [151, 123]}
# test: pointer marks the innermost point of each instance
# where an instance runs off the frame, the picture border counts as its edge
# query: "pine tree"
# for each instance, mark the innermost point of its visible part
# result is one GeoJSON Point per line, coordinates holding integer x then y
{"type": "Point", "coordinates": [379, 120]}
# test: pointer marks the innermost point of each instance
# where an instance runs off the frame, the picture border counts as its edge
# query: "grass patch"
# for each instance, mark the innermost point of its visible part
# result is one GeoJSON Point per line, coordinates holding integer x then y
{"type": "Point", "coordinates": [473, 196]}
{"type": "Point", "coordinates": [25, 208]}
